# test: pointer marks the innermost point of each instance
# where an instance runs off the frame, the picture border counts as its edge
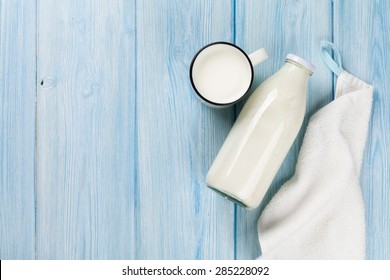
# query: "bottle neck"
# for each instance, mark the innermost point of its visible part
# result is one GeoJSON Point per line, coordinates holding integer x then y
{"type": "Point", "coordinates": [294, 65]}
{"type": "Point", "coordinates": [295, 73]}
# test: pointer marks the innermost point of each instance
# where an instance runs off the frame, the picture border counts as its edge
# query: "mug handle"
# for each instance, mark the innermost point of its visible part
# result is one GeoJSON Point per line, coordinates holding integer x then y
{"type": "Point", "coordinates": [258, 56]}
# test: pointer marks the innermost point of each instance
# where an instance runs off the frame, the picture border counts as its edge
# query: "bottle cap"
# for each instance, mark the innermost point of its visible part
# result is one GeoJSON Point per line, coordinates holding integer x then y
{"type": "Point", "coordinates": [301, 61]}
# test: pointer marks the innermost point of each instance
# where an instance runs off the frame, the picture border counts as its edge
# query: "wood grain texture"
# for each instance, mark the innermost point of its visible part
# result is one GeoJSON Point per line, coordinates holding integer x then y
{"type": "Point", "coordinates": [123, 145]}
{"type": "Point", "coordinates": [17, 129]}
{"type": "Point", "coordinates": [282, 27]}
{"type": "Point", "coordinates": [86, 130]}
{"type": "Point", "coordinates": [178, 136]}
{"type": "Point", "coordinates": [362, 35]}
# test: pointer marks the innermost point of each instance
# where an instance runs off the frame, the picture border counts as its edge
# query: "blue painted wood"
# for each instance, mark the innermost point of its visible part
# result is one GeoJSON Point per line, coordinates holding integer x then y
{"type": "Point", "coordinates": [282, 27]}
{"type": "Point", "coordinates": [123, 144]}
{"type": "Point", "coordinates": [362, 35]}
{"type": "Point", "coordinates": [86, 130]}
{"type": "Point", "coordinates": [17, 129]}
{"type": "Point", "coordinates": [178, 136]}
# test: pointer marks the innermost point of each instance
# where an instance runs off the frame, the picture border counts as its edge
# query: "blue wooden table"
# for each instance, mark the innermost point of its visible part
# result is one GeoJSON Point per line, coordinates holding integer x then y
{"type": "Point", "coordinates": [104, 147]}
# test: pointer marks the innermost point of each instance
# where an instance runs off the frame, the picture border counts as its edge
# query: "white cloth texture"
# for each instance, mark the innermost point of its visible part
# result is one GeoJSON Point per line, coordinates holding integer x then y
{"type": "Point", "coordinates": [319, 212]}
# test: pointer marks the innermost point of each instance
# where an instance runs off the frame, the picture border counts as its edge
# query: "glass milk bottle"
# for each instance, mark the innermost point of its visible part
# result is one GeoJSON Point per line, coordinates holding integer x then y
{"type": "Point", "coordinates": [262, 135]}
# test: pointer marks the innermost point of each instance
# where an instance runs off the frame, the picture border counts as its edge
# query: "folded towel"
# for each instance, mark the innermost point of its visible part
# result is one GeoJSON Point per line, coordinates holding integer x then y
{"type": "Point", "coordinates": [319, 212]}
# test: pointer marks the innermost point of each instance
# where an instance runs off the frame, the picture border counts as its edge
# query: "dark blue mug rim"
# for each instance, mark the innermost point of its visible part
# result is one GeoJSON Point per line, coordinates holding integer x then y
{"type": "Point", "coordinates": [193, 84]}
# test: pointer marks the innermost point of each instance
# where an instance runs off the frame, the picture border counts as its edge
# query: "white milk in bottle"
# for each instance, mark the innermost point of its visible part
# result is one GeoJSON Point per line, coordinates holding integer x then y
{"type": "Point", "coordinates": [262, 135]}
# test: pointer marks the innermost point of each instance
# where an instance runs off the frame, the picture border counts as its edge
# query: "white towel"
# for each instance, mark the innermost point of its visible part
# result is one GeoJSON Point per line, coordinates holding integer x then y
{"type": "Point", "coordinates": [319, 212]}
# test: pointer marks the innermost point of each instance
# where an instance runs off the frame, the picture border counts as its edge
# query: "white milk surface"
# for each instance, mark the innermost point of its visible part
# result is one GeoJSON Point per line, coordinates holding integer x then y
{"type": "Point", "coordinates": [261, 137]}
{"type": "Point", "coordinates": [221, 73]}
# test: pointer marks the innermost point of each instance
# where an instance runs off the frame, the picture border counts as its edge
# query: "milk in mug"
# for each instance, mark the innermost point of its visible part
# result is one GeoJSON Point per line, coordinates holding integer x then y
{"type": "Point", "coordinates": [262, 135]}
{"type": "Point", "coordinates": [222, 73]}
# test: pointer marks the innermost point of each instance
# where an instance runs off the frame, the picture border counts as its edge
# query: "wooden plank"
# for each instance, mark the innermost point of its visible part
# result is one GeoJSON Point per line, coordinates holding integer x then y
{"type": "Point", "coordinates": [86, 130]}
{"type": "Point", "coordinates": [282, 27]}
{"type": "Point", "coordinates": [17, 129]}
{"type": "Point", "coordinates": [362, 35]}
{"type": "Point", "coordinates": [178, 137]}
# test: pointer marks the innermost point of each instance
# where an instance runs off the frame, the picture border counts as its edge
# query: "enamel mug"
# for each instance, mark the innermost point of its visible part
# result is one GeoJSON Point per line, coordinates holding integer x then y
{"type": "Point", "coordinates": [222, 73]}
